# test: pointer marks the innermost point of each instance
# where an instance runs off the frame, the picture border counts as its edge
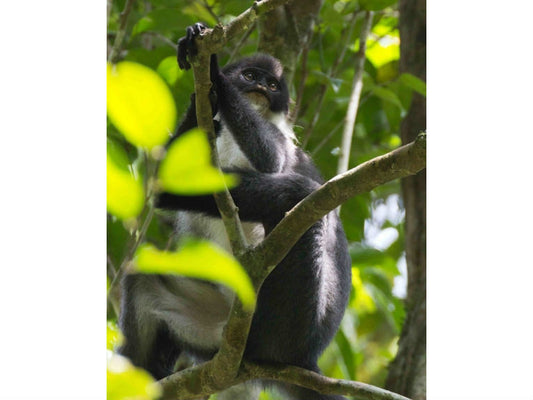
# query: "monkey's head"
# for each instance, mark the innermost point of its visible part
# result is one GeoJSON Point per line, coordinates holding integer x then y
{"type": "Point", "coordinates": [260, 78]}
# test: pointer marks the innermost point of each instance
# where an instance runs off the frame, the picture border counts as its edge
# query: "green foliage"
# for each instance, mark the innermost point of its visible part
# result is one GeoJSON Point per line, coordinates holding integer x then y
{"type": "Point", "coordinates": [367, 339]}
{"type": "Point", "coordinates": [198, 259]}
{"type": "Point", "coordinates": [126, 382]}
{"type": "Point", "coordinates": [187, 168]}
{"type": "Point", "coordinates": [139, 104]}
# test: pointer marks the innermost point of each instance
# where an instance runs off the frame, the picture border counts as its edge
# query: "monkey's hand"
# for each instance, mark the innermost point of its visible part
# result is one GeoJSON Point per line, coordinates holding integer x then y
{"type": "Point", "coordinates": [187, 46]}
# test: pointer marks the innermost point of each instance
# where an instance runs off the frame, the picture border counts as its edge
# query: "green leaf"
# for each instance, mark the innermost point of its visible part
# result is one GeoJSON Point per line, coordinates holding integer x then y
{"type": "Point", "coordinates": [376, 5]}
{"type": "Point", "coordinates": [387, 95]}
{"type": "Point", "coordinates": [126, 382]}
{"type": "Point", "coordinates": [413, 82]}
{"type": "Point", "coordinates": [187, 167]}
{"type": "Point", "coordinates": [163, 20]}
{"type": "Point", "coordinates": [199, 13]}
{"type": "Point", "coordinates": [125, 194]}
{"type": "Point", "coordinates": [114, 336]}
{"type": "Point", "coordinates": [384, 51]}
{"type": "Point", "coordinates": [168, 69]}
{"type": "Point", "coordinates": [140, 104]}
{"type": "Point", "coordinates": [198, 259]}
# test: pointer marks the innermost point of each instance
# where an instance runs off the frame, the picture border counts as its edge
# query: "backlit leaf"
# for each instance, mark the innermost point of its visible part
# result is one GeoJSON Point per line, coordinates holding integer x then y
{"type": "Point", "coordinates": [198, 259]}
{"type": "Point", "coordinates": [139, 104]}
{"type": "Point", "coordinates": [168, 69]}
{"type": "Point", "coordinates": [125, 194]}
{"type": "Point", "coordinates": [187, 167]}
{"type": "Point", "coordinates": [127, 382]}
{"type": "Point", "coordinates": [114, 336]}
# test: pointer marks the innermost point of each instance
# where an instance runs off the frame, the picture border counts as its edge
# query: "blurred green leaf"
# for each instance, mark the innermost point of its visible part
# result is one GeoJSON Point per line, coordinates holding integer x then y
{"type": "Point", "coordinates": [387, 95]}
{"type": "Point", "coordinates": [411, 81]}
{"type": "Point", "coordinates": [384, 51]}
{"type": "Point", "coordinates": [140, 104]}
{"type": "Point", "coordinates": [187, 167]}
{"type": "Point", "coordinates": [126, 382]}
{"type": "Point", "coordinates": [198, 259]}
{"type": "Point", "coordinates": [347, 354]}
{"type": "Point", "coordinates": [199, 13]}
{"type": "Point", "coordinates": [114, 336]}
{"type": "Point", "coordinates": [125, 194]}
{"type": "Point", "coordinates": [168, 69]}
{"type": "Point", "coordinates": [163, 20]}
{"type": "Point", "coordinates": [376, 5]}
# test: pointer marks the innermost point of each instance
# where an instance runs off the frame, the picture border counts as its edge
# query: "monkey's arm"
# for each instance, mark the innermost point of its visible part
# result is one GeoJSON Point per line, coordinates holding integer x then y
{"type": "Point", "coordinates": [259, 139]}
{"type": "Point", "coordinates": [260, 197]}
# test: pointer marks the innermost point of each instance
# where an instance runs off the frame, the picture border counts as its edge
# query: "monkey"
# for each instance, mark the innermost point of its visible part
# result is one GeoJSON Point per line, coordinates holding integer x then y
{"type": "Point", "coordinates": [301, 303]}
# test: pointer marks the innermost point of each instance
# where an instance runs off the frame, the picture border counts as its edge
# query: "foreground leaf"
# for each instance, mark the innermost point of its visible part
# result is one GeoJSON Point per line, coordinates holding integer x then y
{"type": "Point", "coordinates": [187, 167]}
{"type": "Point", "coordinates": [125, 381]}
{"type": "Point", "coordinates": [125, 194]}
{"type": "Point", "coordinates": [140, 104]}
{"type": "Point", "coordinates": [198, 259]}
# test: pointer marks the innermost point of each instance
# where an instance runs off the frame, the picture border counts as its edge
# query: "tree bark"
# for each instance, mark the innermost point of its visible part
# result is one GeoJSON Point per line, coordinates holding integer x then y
{"type": "Point", "coordinates": [407, 373]}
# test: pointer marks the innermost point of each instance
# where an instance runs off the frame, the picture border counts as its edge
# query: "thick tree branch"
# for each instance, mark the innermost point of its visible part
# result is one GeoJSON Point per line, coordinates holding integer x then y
{"type": "Point", "coordinates": [225, 369]}
{"type": "Point", "coordinates": [204, 379]}
{"type": "Point", "coordinates": [404, 161]}
{"type": "Point", "coordinates": [226, 362]}
{"type": "Point", "coordinates": [179, 385]}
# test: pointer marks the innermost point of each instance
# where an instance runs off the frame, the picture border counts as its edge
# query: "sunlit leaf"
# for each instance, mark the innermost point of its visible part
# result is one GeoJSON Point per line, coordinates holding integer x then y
{"type": "Point", "coordinates": [139, 104]}
{"type": "Point", "coordinates": [168, 69]}
{"type": "Point", "coordinates": [384, 51]}
{"type": "Point", "coordinates": [198, 259]}
{"type": "Point", "coordinates": [363, 300]}
{"type": "Point", "coordinates": [114, 336]}
{"type": "Point", "coordinates": [127, 382]}
{"type": "Point", "coordinates": [125, 194]}
{"type": "Point", "coordinates": [187, 167]}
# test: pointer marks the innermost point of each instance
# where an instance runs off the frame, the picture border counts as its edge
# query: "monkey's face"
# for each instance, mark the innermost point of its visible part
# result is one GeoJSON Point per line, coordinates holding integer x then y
{"type": "Point", "coordinates": [260, 79]}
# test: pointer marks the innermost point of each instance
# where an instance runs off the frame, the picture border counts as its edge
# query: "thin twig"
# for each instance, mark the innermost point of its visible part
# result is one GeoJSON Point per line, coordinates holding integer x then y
{"type": "Point", "coordinates": [121, 33]}
{"type": "Point", "coordinates": [346, 35]}
{"type": "Point", "coordinates": [303, 78]}
{"type": "Point", "coordinates": [357, 87]}
{"type": "Point", "coordinates": [137, 237]}
{"type": "Point", "coordinates": [241, 42]}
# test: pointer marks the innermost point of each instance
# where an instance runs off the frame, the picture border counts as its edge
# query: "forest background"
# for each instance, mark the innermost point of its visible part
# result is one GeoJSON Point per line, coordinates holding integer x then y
{"type": "Point", "coordinates": [58, 207]}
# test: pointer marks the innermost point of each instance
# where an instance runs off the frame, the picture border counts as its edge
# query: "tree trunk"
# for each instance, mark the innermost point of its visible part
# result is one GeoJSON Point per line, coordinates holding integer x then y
{"type": "Point", "coordinates": [407, 373]}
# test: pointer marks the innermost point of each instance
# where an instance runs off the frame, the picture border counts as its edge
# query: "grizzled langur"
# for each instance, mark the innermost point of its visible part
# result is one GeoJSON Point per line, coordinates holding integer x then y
{"type": "Point", "coordinates": [301, 303]}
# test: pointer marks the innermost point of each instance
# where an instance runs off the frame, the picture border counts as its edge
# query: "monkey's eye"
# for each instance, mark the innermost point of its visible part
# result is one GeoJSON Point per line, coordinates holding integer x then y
{"type": "Point", "coordinates": [273, 86]}
{"type": "Point", "coordinates": [249, 76]}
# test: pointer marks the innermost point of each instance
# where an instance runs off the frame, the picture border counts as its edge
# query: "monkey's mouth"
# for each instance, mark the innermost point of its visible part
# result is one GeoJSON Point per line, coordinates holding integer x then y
{"type": "Point", "coordinates": [259, 98]}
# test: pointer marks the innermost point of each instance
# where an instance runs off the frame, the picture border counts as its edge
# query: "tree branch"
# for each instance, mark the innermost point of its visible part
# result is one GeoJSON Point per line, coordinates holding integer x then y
{"type": "Point", "coordinates": [121, 33]}
{"type": "Point", "coordinates": [357, 87]}
{"type": "Point", "coordinates": [178, 385]}
{"type": "Point", "coordinates": [226, 362]}
{"type": "Point", "coordinates": [404, 161]}
{"type": "Point", "coordinates": [225, 369]}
